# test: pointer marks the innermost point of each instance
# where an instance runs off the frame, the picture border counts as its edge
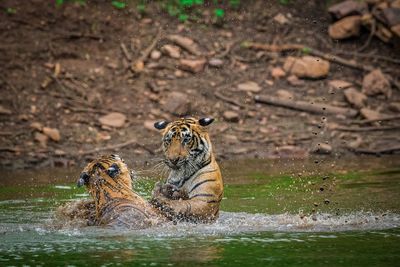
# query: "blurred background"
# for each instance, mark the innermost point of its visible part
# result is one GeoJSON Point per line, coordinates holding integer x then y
{"type": "Point", "coordinates": [283, 78]}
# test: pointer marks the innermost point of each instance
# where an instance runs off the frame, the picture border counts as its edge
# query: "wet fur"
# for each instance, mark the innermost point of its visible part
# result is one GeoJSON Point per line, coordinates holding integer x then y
{"type": "Point", "coordinates": [194, 187]}
{"type": "Point", "coordinates": [115, 204]}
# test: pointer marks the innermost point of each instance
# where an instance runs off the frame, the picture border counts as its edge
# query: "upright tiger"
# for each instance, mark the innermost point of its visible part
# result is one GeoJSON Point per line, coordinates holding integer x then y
{"type": "Point", "coordinates": [109, 183]}
{"type": "Point", "coordinates": [194, 187]}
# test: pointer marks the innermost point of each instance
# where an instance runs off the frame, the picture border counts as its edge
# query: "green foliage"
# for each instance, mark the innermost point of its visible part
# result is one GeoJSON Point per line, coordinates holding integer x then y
{"type": "Point", "coordinates": [61, 2]}
{"type": "Point", "coordinates": [10, 10]}
{"type": "Point", "coordinates": [183, 10]}
{"type": "Point", "coordinates": [284, 2]}
{"type": "Point", "coordinates": [219, 13]}
{"type": "Point", "coordinates": [306, 50]}
{"type": "Point", "coordinates": [118, 4]}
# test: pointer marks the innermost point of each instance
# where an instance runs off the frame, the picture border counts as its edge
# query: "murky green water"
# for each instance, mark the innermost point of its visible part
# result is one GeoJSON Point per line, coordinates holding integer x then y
{"type": "Point", "coordinates": [275, 213]}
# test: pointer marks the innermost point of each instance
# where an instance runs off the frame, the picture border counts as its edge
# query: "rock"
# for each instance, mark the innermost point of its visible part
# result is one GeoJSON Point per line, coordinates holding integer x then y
{"type": "Point", "coordinates": [339, 84]}
{"type": "Point", "coordinates": [41, 138]}
{"type": "Point", "coordinates": [355, 97]}
{"type": "Point", "coordinates": [192, 65]}
{"type": "Point", "coordinates": [171, 51]}
{"type": "Point", "coordinates": [237, 150]}
{"type": "Point", "coordinates": [186, 43]}
{"type": "Point", "coordinates": [215, 62]}
{"type": "Point", "coordinates": [370, 114]}
{"type": "Point", "coordinates": [37, 126]}
{"type": "Point", "coordinates": [284, 94]}
{"type": "Point", "coordinates": [345, 28]}
{"type": "Point", "coordinates": [322, 148]}
{"type": "Point", "coordinates": [396, 30]}
{"type": "Point", "coordinates": [394, 106]}
{"type": "Point", "coordinates": [231, 116]}
{"type": "Point", "coordinates": [347, 8]}
{"type": "Point", "coordinates": [278, 73]}
{"type": "Point", "coordinates": [281, 19]}
{"type": "Point", "coordinates": [46, 82]}
{"type": "Point", "coordinates": [5, 111]}
{"type": "Point", "coordinates": [294, 80]}
{"type": "Point", "coordinates": [113, 119]}
{"type": "Point", "coordinates": [356, 143]}
{"type": "Point", "coordinates": [230, 138]}
{"type": "Point", "coordinates": [376, 83]}
{"type": "Point", "coordinates": [149, 125]}
{"type": "Point", "coordinates": [391, 16]}
{"type": "Point", "coordinates": [289, 151]}
{"type": "Point", "coordinates": [155, 55]}
{"type": "Point", "coordinates": [59, 152]}
{"type": "Point", "coordinates": [307, 67]}
{"type": "Point", "coordinates": [53, 133]}
{"type": "Point", "coordinates": [249, 86]}
{"type": "Point", "coordinates": [177, 103]}
{"type": "Point", "coordinates": [384, 33]}
{"type": "Point", "coordinates": [102, 136]}
{"type": "Point", "coordinates": [395, 4]}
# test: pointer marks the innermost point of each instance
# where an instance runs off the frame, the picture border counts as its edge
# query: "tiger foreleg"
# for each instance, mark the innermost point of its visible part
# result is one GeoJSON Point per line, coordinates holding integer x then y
{"type": "Point", "coordinates": [80, 210]}
{"type": "Point", "coordinates": [186, 210]}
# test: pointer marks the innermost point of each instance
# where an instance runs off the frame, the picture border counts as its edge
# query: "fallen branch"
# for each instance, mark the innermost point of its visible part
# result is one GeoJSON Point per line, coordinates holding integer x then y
{"type": "Point", "coordinates": [386, 118]}
{"type": "Point", "coordinates": [317, 108]}
{"type": "Point", "coordinates": [366, 129]}
{"type": "Point", "coordinates": [139, 63]}
{"type": "Point", "coordinates": [371, 34]}
{"type": "Point", "coordinates": [227, 50]}
{"type": "Point", "coordinates": [308, 50]}
{"type": "Point", "coordinates": [113, 147]}
{"type": "Point", "coordinates": [388, 150]}
{"type": "Point", "coordinates": [229, 100]}
{"type": "Point", "coordinates": [126, 52]}
{"type": "Point", "coordinates": [10, 149]}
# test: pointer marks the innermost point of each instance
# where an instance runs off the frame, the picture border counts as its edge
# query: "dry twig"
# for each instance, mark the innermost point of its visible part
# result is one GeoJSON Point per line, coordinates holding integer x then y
{"type": "Point", "coordinates": [145, 53]}
{"type": "Point", "coordinates": [367, 129]}
{"type": "Point", "coordinates": [311, 51]}
{"type": "Point", "coordinates": [317, 108]}
{"type": "Point", "coordinates": [388, 150]}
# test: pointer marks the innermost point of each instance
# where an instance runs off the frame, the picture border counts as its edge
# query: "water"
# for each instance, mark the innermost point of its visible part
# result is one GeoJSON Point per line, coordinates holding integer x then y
{"type": "Point", "coordinates": [274, 213]}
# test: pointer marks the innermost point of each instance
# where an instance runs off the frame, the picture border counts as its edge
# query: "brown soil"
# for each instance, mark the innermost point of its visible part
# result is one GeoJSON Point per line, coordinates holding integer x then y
{"type": "Point", "coordinates": [95, 78]}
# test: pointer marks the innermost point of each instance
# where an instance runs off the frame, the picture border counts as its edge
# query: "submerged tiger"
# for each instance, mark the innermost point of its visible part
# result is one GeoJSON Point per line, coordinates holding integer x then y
{"type": "Point", "coordinates": [109, 183]}
{"type": "Point", "coordinates": [194, 187]}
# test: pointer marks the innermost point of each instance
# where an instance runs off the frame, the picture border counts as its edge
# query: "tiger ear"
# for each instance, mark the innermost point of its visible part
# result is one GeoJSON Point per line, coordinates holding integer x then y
{"type": "Point", "coordinates": [161, 125]}
{"type": "Point", "coordinates": [206, 121]}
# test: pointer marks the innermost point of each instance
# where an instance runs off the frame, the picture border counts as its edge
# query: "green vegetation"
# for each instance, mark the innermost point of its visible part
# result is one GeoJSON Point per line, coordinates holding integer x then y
{"type": "Point", "coordinates": [183, 10]}
{"type": "Point", "coordinates": [10, 10]}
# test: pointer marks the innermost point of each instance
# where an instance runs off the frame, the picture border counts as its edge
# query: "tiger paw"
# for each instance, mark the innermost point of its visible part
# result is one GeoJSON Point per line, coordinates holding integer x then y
{"type": "Point", "coordinates": [168, 190]}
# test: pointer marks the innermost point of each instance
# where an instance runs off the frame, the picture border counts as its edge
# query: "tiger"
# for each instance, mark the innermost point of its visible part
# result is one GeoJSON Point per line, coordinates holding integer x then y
{"type": "Point", "coordinates": [194, 187]}
{"type": "Point", "coordinates": [108, 181]}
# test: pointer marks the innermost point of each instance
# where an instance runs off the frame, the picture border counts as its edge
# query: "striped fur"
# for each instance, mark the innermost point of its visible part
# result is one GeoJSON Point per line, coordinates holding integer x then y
{"type": "Point", "coordinates": [109, 183]}
{"type": "Point", "coordinates": [194, 187]}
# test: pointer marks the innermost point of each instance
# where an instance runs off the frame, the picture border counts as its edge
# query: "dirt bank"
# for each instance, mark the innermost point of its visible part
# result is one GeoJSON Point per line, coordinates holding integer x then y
{"type": "Point", "coordinates": [64, 69]}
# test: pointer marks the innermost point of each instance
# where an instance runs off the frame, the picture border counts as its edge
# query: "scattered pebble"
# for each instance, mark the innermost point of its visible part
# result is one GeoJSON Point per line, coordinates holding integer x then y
{"type": "Point", "coordinates": [192, 65]}
{"type": "Point", "coordinates": [307, 67]}
{"type": "Point", "coordinates": [345, 28]}
{"type": "Point", "coordinates": [53, 133]}
{"type": "Point", "coordinates": [375, 83]}
{"type": "Point", "coordinates": [231, 116]}
{"type": "Point", "coordinates": [113, 119]}
{"type": "Point", "coordinates": [171, 51]}
{"type": "Point", "coordinates": [249, 86]}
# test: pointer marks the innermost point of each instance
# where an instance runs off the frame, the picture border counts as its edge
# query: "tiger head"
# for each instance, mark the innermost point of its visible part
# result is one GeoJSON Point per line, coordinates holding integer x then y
{"type": "Point", "coordinates": [106, 177]}
{"type": "Point", "coordinates": [185, 142]}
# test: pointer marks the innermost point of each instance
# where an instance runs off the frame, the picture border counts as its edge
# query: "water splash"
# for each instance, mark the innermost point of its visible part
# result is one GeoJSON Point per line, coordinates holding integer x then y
{"type": "Point", "coordinates": [234, 223]}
